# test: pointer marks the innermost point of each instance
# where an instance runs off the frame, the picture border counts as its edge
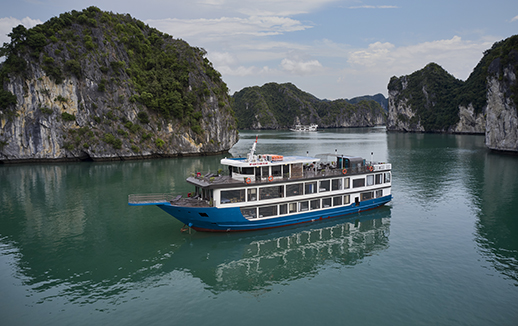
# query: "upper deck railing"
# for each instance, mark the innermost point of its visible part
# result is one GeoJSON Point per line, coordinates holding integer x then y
{"type": "Point", "coordinates": [308, 172]}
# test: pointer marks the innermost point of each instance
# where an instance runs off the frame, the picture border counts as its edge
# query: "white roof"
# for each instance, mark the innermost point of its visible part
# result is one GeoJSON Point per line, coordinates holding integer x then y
{"type": "Point", "coordinates": [243, 162]}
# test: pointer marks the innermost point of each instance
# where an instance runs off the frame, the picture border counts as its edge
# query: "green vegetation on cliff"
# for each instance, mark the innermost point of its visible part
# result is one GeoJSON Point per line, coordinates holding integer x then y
{"type": "Point", "coordinates": [281, 106]}
{"type": "Point", "coordinates": [163, 74]}
{"type": "Point", "coordinates": [435, 95]}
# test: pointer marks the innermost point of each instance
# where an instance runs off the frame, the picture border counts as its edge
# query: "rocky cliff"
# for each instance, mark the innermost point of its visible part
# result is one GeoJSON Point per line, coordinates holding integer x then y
{"type": "Point", "coordinates": [431, 100]}
{"type": "Point", "coordinates": [282, 106]}
{"type": "Point", "coordinates": [93, 85]}
{"type": "Point", "coordinates": [502, 99]}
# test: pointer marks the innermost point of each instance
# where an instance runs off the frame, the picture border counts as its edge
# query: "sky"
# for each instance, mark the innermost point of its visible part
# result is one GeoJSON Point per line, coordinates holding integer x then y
{"type": "Point", "coordinates": [333, 49]}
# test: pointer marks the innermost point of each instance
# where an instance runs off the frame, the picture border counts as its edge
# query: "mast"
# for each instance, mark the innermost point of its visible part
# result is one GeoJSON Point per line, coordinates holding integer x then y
{"type": "Point", "coordinates": [252, 150]}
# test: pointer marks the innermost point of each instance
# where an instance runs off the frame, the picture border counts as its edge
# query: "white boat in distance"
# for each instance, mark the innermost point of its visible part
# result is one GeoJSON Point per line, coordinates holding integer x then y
{"type": "Point", "coordinates": [312, 127]}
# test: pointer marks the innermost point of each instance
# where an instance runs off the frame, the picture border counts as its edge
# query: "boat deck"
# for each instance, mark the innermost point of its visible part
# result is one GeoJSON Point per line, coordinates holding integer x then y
{"type": "Point", "coordinates": [157, 199]}
{"type": "Point", "coordinates": [218, 181]}
{"type": "Point", "coordinates": [307, 174]}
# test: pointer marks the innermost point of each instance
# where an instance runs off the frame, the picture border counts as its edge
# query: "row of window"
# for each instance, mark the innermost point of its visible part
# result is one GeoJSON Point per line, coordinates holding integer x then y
{"type": "Point", "coordinates": [297, 189]}
{"type": "Point", "coordinates": [264, 171]}
{"type": "Point", "coordinates": [304, 205]}
{"type": "Point", "coordinates": [294, 207]}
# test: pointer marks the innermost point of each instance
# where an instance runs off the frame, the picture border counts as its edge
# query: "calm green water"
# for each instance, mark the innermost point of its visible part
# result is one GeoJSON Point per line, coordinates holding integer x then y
{"type": "Point", "coordinates": [443, 252]}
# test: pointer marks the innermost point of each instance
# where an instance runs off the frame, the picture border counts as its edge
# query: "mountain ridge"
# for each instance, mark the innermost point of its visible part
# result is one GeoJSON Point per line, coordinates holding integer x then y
{"type": "Point", "coordinates": [281, 106]}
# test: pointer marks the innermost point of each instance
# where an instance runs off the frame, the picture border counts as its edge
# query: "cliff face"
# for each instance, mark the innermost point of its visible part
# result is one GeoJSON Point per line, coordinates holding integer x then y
{"type": "Point", "coordinates": [430, 100]}
{"type": "Point", "coordinates": [281, 106]}
{"type": "Point", "coordinates": [88, 91]}
{"type": "Point", "coordinates": [402, 116]}
{"type": "Point", "coordinates": [502, 116]}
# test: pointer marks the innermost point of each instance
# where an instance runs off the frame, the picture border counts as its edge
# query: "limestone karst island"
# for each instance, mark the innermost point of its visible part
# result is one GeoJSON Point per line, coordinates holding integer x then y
{"type": "Point", "coordinates": [94, 85]}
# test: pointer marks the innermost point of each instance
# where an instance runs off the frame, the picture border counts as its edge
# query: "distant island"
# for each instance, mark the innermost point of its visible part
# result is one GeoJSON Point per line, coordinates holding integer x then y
{"type": "Point", "coordinates": [432, 100]}
{"type": "Point", "coordinates": [283, 106]}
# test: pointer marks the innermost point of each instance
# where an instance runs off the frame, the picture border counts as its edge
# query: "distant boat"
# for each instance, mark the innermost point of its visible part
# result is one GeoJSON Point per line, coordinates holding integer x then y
{"type": "Point", "coordinates": [312, 127]}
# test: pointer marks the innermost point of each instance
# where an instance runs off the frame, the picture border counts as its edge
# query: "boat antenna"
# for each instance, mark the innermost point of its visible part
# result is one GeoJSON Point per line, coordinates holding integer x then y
{"type": "Point", "coordinates": [252, 150]}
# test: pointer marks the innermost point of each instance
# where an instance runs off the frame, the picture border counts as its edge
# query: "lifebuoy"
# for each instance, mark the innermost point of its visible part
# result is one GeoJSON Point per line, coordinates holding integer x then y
{"type": "Point", "coordinates": [248, 180]}
{"type": "Point", "coordinates": [270, 178]}
{"type": "Point", "coordinates": [370, 168]}
{"type": "Point", "coordinates": [344, 171]}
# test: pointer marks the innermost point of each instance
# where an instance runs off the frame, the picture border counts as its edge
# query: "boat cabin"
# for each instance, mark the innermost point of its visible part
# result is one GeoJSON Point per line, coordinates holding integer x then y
{"type": "Point", "coordinates": [267, 167]}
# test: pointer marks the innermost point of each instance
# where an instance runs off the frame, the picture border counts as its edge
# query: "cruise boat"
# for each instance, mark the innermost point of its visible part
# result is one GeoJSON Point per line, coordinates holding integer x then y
{"type": "Point", "coordinates": [312, 127]}
{"type": "Point", "coordinates": [268, 191]}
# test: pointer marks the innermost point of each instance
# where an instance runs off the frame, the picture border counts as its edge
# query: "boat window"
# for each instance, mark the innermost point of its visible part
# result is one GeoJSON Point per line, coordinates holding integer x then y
{"type": "Point", "coordinates": [326, 202]}
{"type": "Point", "coordinates": [293, 207]}
{"type": "Point", "coordinates": [252, 194]}
{"type": "Point", "coordinates": [283, 209]}
{"type": "Point", "coordinates": [379, 178]}
{"type": "Point", "coordinates": [257, 173]}
{"type": "Point", "coordinates": [265, 171]}
{"type": "Point", "coordinates": [271, 192]}
{"type": "Point", "coordinates": [336, 184]}
{"type": "Point", "coordinates": [303, 206]}
{"type": "Point", "coordinates": [337, 201]}
{"type": "Point", "coordinates": [366, 195]}
{"type": "Point", "coordinates": [232, 196]}
{"type": "Point", "coordinates": [347, 199]}
{"type": "Point", "coordinates": [266, 211]}
{"type": "Point", "coordinates": [325, 185]}
{"type": "Point", "coordinates": [246, 170]}
{"type": "Point", "coordinates": [286, 171]}
{"type": "Point", "coordinates": [315, 204]}
{"type": "Point", "coordinates": [358, 183]}
{"type": "Point", "coordinates": [276, 171]}
{"type": "Point", "coordinates": [294, 189]}
{"type": "Point", "coordinates": [296, 170]}
{"type": "Point", "coordinates": [387, 176]}
{"type": "Point", "coordinates": [249, 212]}
{"type": "Point", "coordinates": [249, 171]}
{"type": "Point", "coordinates": [379, 193]}
{"type": "Point", "coordinates": [370, 180]}
{"type": "Point", "coordinates": [310, 188]}
{"type": "Point", "coordinates": [347, 183]}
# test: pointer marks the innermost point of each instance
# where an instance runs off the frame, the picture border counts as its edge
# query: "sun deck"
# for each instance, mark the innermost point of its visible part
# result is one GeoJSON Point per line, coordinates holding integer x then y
{"type": "Point", "coordinates": [309, 172]}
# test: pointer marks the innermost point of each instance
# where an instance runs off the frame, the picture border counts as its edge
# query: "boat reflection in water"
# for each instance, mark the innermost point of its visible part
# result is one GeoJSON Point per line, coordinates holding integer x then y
{"type": "Point", "coordinates": [260, 260]}
{"type": "Point", "coordinates": [97, 269]}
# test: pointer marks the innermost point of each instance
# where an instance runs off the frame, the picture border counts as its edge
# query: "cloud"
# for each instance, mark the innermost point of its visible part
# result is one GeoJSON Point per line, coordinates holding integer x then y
{"type": "Point", "coordinates": [456, 55]}
{"type": "Point", "coordinates": [369, 69]}
{"type": "Point", "coordinates": [7, 24]}
{"type": "Point", "coordinates": [515, 18]}
{"type": "Point", "coordinates": [265, 7]}
{"type": "Point", "coordinates": [373, 7]}
{"type": "Point", "coordinates": [300, 67]}
{"type": "Point", "coordinates": [226, 28]}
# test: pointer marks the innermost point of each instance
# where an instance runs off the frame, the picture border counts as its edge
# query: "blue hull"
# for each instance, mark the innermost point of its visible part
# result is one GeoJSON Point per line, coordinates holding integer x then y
{"type": "Point", "coordinates": [214, 219]}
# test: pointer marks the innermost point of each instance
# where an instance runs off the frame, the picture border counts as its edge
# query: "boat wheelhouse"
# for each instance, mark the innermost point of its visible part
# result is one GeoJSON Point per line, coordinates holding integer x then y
{"type": "Point", "coordinates": [266, 191]}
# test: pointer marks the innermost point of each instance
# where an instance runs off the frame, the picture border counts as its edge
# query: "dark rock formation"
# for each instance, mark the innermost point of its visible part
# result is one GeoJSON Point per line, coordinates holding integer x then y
{"type": "Point", "coordinates": [102, 86]}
